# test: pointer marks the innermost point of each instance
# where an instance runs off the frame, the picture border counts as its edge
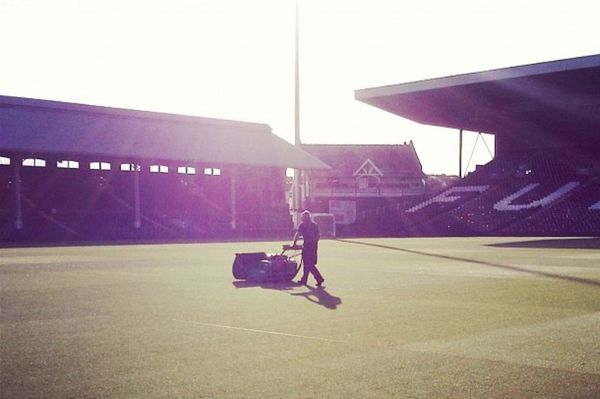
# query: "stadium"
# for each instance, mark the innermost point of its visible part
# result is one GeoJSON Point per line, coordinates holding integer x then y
{"type": "Point", "coordinates": [119, 228]}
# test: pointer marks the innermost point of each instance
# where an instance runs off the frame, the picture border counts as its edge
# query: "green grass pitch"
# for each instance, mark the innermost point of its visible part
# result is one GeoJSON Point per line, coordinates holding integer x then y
{"type": "Point", "coordinates": [398, 318]}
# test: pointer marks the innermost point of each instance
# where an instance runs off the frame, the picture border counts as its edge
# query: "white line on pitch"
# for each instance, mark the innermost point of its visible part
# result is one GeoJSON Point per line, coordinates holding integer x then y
{"type": "Point", "coordinates": [255, 330]}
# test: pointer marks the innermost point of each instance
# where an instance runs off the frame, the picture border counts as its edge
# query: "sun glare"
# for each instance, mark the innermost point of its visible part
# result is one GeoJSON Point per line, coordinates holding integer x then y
{"type": "Point", "coordinates": [235, 60]}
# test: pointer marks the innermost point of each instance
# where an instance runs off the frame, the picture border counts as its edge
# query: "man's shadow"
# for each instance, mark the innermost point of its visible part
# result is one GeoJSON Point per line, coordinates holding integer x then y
{"type": "Point", "coordinates": [316, 295]}
{"type": "Point", "coordinates": [321, 297]}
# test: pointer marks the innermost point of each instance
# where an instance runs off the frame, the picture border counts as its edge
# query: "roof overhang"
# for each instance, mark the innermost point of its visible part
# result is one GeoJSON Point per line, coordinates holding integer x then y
{"type": "Point", "coordinates": [33, 126]}
{"type": "Point", "coordinates": [554, 97]}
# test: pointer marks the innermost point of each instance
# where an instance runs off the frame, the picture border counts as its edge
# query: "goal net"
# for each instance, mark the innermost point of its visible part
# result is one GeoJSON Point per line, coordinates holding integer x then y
{"type": "Point", "coordinates": [326, 223]}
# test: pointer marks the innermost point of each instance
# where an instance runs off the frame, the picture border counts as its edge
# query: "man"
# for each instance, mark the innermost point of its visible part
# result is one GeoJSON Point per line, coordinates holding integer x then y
{"type": "Point", "coordinates": [309, 231]}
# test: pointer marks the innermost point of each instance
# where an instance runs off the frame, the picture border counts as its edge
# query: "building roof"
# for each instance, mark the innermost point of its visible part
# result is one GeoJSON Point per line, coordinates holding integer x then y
{"type": "Point", "coordinates": [554, 97]}
{"type": "Point", "coordinates": [389, 160]}
{"type": "Point", "coordinates": [35, 126]}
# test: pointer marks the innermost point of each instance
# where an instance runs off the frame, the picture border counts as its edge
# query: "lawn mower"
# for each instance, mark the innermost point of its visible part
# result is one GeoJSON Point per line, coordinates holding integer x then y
{"type": "Point", "coordinates": [263, 267]}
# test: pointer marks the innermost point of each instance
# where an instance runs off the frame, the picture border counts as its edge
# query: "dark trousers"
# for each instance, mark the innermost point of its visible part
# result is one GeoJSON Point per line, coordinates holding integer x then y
{"type": "Point", "coordinates": [310, 267]}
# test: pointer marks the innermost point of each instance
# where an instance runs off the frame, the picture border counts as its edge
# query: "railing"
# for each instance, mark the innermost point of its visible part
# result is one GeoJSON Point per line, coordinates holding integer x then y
{"type": "Point", "coordinates": [365, 192]}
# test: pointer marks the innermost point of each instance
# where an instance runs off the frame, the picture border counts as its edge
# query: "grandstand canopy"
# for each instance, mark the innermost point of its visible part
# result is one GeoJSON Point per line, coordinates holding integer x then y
{"type": "Point", "coordinates": [554, 97]}
{"type": "Point", "coordinates": [33, 126]}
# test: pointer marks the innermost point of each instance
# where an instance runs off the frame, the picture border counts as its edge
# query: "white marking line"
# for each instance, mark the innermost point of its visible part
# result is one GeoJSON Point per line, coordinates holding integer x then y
{"type": "Point", "coordinates": [450, 273]}
{"type": "Point", "coordinates": [256, 331]}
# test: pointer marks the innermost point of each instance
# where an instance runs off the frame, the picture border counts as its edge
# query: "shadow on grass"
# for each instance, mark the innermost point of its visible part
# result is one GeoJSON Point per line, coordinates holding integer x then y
{"type": "Point", "coordinates": [320, 296]}
{"type": "Point", "coordinates": [563, 277]}
{"type": "Point", "coordinates": [568, 243]}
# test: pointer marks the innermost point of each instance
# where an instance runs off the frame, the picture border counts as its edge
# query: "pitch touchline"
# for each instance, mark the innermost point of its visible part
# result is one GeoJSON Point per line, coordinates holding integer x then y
{"type": "Point", "coordinates": [255, 330]}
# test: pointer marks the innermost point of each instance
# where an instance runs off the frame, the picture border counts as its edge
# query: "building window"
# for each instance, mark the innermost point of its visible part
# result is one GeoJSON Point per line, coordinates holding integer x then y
{"type": "Point", "coordinates": [67, 164]}
{"type": "Point", "coordinates": [34, 162]}
{"type": "Point", "coordinates": [159, 169]}
{"type": "Point", "coordinates": [130, 167]}
{"type": "Point", "coordinates": [212, 171]}
{"type": "Point", "coordinates": [99, 166]}
{"type": "Point", "coordinates": [4, 161]}
{"type": "Point", "coordinates": [186, 170]}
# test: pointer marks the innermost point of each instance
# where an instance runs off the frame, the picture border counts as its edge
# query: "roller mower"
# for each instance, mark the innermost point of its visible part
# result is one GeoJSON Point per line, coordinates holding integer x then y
{"type": "Point", "coordinates": [263, 267]}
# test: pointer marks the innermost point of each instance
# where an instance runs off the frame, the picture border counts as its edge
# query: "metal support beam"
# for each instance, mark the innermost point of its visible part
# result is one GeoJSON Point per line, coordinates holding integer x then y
{"type": "Point", "coordinates": [233, 181]}
{"type": "Point", "coordinates": [460, 147]}
{"type": "Point", "coordinates": [18, 201]}
{"type": "Point", "coordinates": [137, 222]}
{"type": "Point", "coordinates": [486, 146]}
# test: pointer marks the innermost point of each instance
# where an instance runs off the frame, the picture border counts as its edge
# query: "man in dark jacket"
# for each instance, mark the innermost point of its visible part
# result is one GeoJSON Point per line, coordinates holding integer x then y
{"type": "Point", "coordinates": [309, 231]}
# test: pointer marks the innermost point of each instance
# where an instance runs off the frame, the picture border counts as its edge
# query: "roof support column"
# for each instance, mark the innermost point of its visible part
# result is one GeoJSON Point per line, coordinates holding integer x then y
{"type": "Point", "coordinates": [18, 201]}
{"type": "Point", "coordinates": [137, 221]}
{"type": "Point", "coordinates": [460, 148]}
{"type": "Point", "coordinates": [233, 182]}
{"type": "Point", "coordinates": [306, 193]}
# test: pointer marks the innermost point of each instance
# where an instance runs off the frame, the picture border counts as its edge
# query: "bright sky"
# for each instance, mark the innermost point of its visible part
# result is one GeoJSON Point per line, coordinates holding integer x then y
{"type": "Point", "coordinates": [234, 59]}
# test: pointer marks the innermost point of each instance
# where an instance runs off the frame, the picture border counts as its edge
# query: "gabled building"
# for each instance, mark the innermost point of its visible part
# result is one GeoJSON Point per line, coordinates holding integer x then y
{"type": "Point", "coordinates": [362, 177]}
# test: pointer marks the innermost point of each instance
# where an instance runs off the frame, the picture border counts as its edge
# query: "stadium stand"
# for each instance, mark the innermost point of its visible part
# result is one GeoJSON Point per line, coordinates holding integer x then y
{"type": "Point", "coordinates": [544, 178]}
{"type": "Point", "coordinates": [78, 173]}
{"type": "Point", "coordinates": [575, 215]}
{"type": "Point", "coordinates": [540, 194]}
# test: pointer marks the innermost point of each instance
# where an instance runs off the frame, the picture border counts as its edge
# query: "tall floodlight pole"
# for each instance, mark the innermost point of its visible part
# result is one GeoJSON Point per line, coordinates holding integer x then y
{"type": "Point", "coordinates": [297, 202]}
{"type": "Point", "coordinates": [297, 83]}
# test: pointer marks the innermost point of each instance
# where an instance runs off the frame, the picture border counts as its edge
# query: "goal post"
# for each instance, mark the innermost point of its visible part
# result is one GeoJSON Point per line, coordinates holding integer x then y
{"type": "Point", "coordinates": [326, 223]}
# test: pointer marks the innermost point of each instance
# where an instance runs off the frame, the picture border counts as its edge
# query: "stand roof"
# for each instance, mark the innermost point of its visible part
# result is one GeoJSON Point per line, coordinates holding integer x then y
{"type": "Point", "coordinates": [556, 98]}
{"type": "Point", "coordinates": [35, 126]}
